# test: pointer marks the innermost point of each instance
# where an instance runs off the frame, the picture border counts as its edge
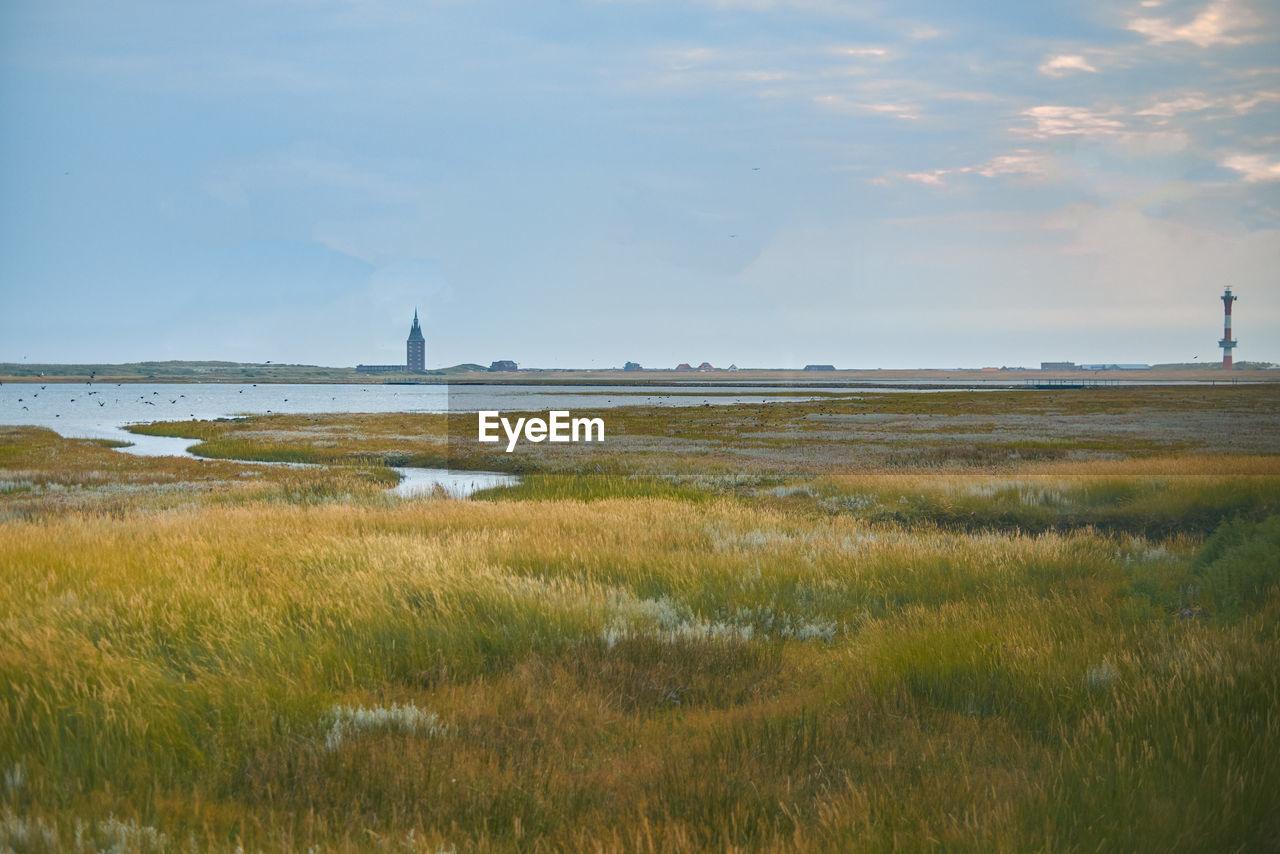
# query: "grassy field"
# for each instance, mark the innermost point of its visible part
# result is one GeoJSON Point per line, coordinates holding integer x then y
{"type": "Point", "coordinates": [987, 431]}
{"type": "Point", "coordinates": [1054, 626]}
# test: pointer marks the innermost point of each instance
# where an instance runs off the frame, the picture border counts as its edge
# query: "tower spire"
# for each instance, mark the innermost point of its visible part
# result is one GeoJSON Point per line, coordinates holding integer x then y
{"type": "Point", "coordinates": [415, 347]}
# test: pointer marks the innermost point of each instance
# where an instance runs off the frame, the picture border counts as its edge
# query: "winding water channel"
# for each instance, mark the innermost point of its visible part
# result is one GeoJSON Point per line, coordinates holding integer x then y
{"type": "Point", "coordinates": [103, 410]}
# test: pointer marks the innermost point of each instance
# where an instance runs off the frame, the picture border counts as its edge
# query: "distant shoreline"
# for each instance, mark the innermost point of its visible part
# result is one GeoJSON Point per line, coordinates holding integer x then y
{"type": "Point", "coordinates": [248, 374]}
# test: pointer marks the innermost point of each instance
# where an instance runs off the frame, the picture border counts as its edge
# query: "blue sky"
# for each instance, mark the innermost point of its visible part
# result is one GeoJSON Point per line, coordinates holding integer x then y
{"type": "Point", "coordinates": [762, 182]}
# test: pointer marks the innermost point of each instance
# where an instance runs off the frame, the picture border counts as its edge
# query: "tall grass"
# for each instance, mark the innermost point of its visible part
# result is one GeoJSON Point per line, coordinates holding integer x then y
{"type": "Point", "coordinates": [1154, 505]}
{"type": "Point", "coordinates": [553, 673]}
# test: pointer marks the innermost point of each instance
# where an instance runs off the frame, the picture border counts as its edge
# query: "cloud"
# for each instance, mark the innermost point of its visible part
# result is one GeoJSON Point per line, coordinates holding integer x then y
{"type": "Point", "coordinates": [1054, 120]}
{"type": "Point", "coordinates": [859, 51]}
{"type": "Point", "coordinates": [1256, 168]}
{"type": "Point", "coordinates": [1238, 104]}
{"type": "Point", "coordinates": [1176, 106]}
{"type": "Point", "coordinates": [1222, 22]}
{"type": "Point", "coordinates": [794, 71]}
{"type": "Point", "coordinates": [842, 104]}
{"type": "Point", "coordinates": [933, 178]}
{"type": "Point", "coordinates": [1023, 163]}
{"type": "Point", "coordinates": [1061, 66]}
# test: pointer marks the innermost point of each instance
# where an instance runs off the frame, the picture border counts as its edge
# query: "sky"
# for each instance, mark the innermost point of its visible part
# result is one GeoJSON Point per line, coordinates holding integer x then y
{"type": "Point", "coordinates": [768, 183]}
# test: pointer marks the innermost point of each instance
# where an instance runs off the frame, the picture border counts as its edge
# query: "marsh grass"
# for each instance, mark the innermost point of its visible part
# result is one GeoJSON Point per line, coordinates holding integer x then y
{"type": "Point", "coordinates": [600, 673]}
{"type": "Point", "coordinates": [946, 433]}
{"type": "Point", "coordinates": [1154, 505]}
{"type": "Point", "coordinates": [44, 474]}
{"type": "Point", "coordinates": [1074, 656]}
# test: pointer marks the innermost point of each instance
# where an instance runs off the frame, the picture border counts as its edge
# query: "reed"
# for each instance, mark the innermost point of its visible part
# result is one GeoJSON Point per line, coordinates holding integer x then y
{"type": "Point", "coordinates": [212, 655]}
{"type": "Point", "coordinates": [602, 673]}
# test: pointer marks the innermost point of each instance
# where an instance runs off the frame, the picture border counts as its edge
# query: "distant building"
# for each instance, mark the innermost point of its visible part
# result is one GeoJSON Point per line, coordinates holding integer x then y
{"type": "Point", "coordinates": [706, 366]}
{"type": "Point", "coordinates": [684, 366]}
{"type": "Point", "coordinates": [819, 367]}
{"type": "Point", "coordinates": [504, 365]}
{"type": "Point", "coordinates": [415, 354]}
{"type": "Point", "coordinates": [1058, 366]}
{"type": "Point", "coordinates": [1115, 366]}
{"type": "Point", "coordinates": [632, 366]}
{"type": "Point", "coordinates": [416, 347]}
{"type": "Point", "coordinates": [732, 368]}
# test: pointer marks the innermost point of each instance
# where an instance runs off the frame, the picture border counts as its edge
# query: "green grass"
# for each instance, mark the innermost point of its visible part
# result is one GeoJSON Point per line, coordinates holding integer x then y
{"type": "Point", "coordinates": [205, 654]}
{"type": "Point", "coordinates": [1154, 506]}
{"type": "Point", "coordinates": [705, 672]}
{"type": "Point", "coordinates": [944, 433]}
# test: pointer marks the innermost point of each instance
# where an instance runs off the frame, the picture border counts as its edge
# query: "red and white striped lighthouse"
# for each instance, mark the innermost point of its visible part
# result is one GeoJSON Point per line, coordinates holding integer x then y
{"type": "Point", "coordinates": [1227, 342]}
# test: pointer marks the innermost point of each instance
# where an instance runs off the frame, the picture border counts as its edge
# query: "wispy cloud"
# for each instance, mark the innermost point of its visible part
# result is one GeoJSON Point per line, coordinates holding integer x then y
{"type": "Point", "coordinates": [843, 104]}
{"type": "Point", "coordinates": [1050, 120]}
{"type": "Point", "coordinates": [868, 51]}
{"type": "Point", "coordinates": [1235, 104]}
{"type": "Point", "coordinates": [798, 72]}
{"type": "Point", "coordinates": [1222, 22]}
{"type": "Point", "coordinates": [1064, 64]}
{"type": "Point", "coordinates": [1256, 168]}
{"type": "Point", "coordinates": [1023, 163]}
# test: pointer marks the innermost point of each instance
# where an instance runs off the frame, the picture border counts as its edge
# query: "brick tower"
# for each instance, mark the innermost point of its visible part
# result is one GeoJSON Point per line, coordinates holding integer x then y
{"type": "Point", "coordinates": [415, 347]}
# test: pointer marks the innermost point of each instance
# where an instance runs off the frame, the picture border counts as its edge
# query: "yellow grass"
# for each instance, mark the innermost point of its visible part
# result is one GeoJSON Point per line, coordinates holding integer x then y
{"type": "Point", "coordinates": [1066, 654]}
{"type": "Point", "coordinates": [606, 674]}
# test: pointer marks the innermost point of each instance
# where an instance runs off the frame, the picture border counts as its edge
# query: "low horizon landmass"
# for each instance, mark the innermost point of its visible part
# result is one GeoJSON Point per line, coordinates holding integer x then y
{"type": "Point", "coordinates": [217, 371]}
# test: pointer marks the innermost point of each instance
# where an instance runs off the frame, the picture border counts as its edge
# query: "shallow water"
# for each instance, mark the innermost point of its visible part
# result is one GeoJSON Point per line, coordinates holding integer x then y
{"type": "Point", "coordinates": [100, 410]}
{"type": "Point", "coordinates": [414, 482]}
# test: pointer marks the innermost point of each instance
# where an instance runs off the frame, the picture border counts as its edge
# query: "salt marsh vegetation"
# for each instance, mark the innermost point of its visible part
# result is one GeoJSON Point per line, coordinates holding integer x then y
{"type": "Point", "coordinates": [1075, 654]}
